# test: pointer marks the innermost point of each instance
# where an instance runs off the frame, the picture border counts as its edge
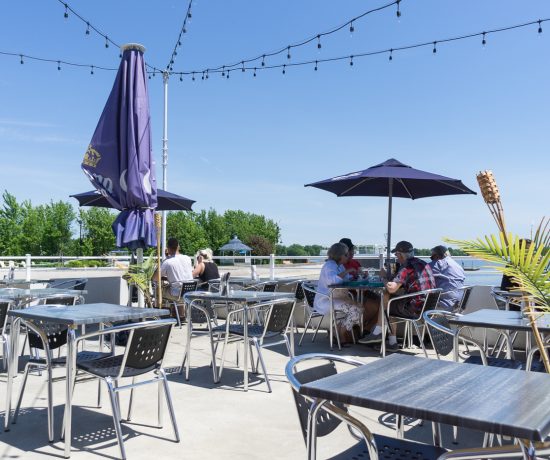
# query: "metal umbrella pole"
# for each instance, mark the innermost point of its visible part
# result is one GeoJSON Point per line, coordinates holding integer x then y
{"type": "Point", "coordinates": [388, 249]}
{"type": "Point", "coordinates": [165, 77]}
{"type": "Point", "coordinates": [158, 223]}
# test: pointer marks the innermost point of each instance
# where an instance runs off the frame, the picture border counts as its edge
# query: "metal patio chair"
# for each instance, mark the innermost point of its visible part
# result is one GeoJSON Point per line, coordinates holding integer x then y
{"type": "Point", "coordinates": [463, 302]}
{"type": "Point", "coordinates": [144, 353]}
{"type": "Point", "coordinates": [321, 419]}
{"type": "Point", "coordinates": [78, 284]}
{"type": "Point", "coordinates": [278, 314]}
{"type": "Point", "coordinates": [5, 306]}
{"type": "Point", "coordinates": [431, 299]}
{"type": "Point", "coordinates": [186, 286]}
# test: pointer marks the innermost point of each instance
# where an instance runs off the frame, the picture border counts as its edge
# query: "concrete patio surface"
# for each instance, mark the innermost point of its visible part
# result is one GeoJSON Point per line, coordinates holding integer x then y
{"type": "Point", "coordinates": [215, 420]}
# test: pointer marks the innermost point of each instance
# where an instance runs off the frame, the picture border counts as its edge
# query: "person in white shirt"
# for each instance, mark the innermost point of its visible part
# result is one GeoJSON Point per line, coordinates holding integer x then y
{"type": "Point", "coordinates": [176, 268]}
{"type": "Point", "coordinates": [333, 272]}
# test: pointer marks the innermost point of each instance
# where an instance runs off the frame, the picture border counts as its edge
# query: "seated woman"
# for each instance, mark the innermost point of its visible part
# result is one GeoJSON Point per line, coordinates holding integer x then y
{"type": "Point", "coordinates": [333, 272]}
{"type": "Point", "coordinates": [205, 268]}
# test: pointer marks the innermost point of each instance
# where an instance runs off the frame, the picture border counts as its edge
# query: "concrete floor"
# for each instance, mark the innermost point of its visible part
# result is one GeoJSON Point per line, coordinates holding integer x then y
{"type": "Point", "coordinates": [215, 420]}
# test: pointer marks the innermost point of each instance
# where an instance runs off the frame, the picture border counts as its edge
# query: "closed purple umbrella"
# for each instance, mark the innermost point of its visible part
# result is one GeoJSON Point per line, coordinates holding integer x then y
{"type": "Point", "coordinates": [392, 179]}
{"type": "Point", "coordinates": [119, 161]}
{"type": "Point", "coordinates": [166, 201]}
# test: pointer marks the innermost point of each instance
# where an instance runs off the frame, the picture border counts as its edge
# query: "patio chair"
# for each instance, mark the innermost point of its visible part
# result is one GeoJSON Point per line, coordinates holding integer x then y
{"type": "Point", "coordinates": [278, 315]}
{"type": "Point", "coordinates": [319, 420]}
{"type": "Point", "coordinates": [62, 299]}
{"type": "Point", "coordinates": [5, 306]}
{"type": "Point", "coordinates": [536, 366]}
{"type": "Point", "coordinates": [311, 313]}
{"type": "Point", "coordinates": [186, 286]}
{"type": "Point", "coordinates": [48, 337]}
{"type": "Point", "coordinates": [78, 284]}
{"type": "Point", "coordinates": [144, 353]}
{"type": "Point", "coordinates": [203, 319]}
{"type": "Point", "coordinates": [463, 302]}
{"type": "Point", "coordinates": [430, 302]}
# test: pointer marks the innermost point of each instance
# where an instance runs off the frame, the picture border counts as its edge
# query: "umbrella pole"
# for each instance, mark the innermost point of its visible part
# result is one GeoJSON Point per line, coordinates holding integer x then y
{"type": "Point", "coordinates": [158, 224]}
{"type": "Point", "coordinates": [388, 248]}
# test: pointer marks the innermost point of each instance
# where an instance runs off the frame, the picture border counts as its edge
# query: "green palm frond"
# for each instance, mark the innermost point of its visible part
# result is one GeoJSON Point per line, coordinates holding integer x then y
{"type": "Point", "coordinates": [527, 264]}
{"type": "Point", "coordinates": [141, 274]}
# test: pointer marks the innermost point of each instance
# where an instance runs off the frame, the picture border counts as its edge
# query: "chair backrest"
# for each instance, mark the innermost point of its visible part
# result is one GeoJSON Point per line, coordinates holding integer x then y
{"type": "Point", "coordinates": [60, 299]}
{"type": "Point", "coordinates": [269, 287]}
{"type": "Point", "coordinates": [4, 308]}
{"type": "Point", "coordinates": [440, 331]}
{"type": "Point", "coordinates": [299, 293]}
{"type": "Point", "coordinates": [506, 300]}
{"type": "Point", "coordinates": [48, 335]}
{"type": "Point", "coordinates": [431, 299]}
{"type": "Point", "coordinates": [279, 316]}
{"type": "Point", "coordinates": [224, 283]}
{"type": "Point", "coordinates": [147, 346]}
{"type": "Point", "coordinates": [198, 315]}
{"type": "Point", "coordinates": [74, 283]}
{"type": "Point", "coordinates": [188, 286]}
{"type": "Point", "coordinates": [461, 305]}
{"type": "Point", "coordinates": [326, 423]}
{"type": "Point", "coordinates": [309, 295]}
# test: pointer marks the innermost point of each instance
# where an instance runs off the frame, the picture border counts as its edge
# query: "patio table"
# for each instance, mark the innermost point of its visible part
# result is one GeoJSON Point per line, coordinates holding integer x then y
{"type": "Point", "coordinates": [20, 294]}
{"type": "Point", "coordinates": [488, 399]}
{"type": "Point", "coordinates": [72, 316]}
{"type": "Point", "coordinates": [242, 299]}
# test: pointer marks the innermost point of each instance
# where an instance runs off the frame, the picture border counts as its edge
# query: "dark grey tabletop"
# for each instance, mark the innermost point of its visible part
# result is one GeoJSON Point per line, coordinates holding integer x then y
{"type": "Point", "coordinates": [17, 293]}
{"type": "Point", "coordinates": [92, 313]}
{"type": "Point", "coordinates": [501, 319]}
{"type": "Point", "coordinates": [239, 296]}
{"type": "Point", "coordinates": [495, 400]}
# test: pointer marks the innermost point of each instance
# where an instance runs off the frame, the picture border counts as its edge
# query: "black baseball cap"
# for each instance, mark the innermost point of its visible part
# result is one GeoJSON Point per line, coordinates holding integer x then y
{"type": "Point", "coordinates": [347, 242]}
{"type": "Point", "coordinates": [403, 246]}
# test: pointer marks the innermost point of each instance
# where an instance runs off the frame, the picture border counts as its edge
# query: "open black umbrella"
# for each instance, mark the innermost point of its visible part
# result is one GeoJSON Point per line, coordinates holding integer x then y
{"type": "Point", "coordinates": [166, 201]}
{"type": "Point", "coordinates": [392, 179]}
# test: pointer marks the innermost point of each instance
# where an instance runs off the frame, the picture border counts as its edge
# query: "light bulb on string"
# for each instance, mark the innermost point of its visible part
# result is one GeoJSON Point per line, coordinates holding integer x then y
{"type": "Point", "coordinates": [223, 71]}
{"type": "Point", "coordinates": [181, 77]}
{"type": "Point", "coordinates": [351, 60]}
{"type": "Point", "coordinates": [206, 74]}
{"type": "Point", "coordinates": [319, 46]}
{"type": "Point", "coordinates": [58, 65]}
{"type": "Point", "coordinates": [254, 71]}
{"type": "Point", "coordinates": [434, 51]}
{"type": "Point", "coordinates": [193, 76]}
{"type": "Point", "coordinates": [228, 74]}
{"type": "Point", "coordinates": [184, 30]}
{"type": "Point", "coordinates": [263, 60]}
{"type": "Point", "coordinates": [21, 61]}
{"type": "Point", "coordinates": [398, 12]}
{"type": "Point", "coordinates": [351, 29]}
{"type": "Point", "coordinates": [284, 69]}
{"type": "Point", "coordinates": [242, 68]}
{"type": "Point", "coordinates": [179, 42]}
{"type": "Point", "coordinates": [92, 70]}
{"type": "Point", "coordinates": [66, 14]}
{"type": "Point", "coordinates": [87, 28]}
{"type": "Point", "coordinates": [316, 64]}
{"type": "Point", "coordinates": [483, 40]}
{"type": "Point", "coordinates": [391, 55]}
{"type": "Point", "coordinates": [106, 41]}
{"type": "Point", "coordinates": [540, 27]}
{"type": "Point", "coordinates": [202, 77]}
{"type": "Point", "coordinates": [288, 52]}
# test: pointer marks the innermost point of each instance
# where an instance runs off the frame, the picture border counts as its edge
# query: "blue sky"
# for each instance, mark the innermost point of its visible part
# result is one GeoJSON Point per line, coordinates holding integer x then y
{"type": "Point", "coordinates": [252, 143]}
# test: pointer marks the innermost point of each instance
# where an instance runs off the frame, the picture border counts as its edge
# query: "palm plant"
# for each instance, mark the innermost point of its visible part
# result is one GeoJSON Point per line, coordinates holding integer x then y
{"type": "Point", "coordinates": [526, 263]}
{"type": "Point", "coordinates": [141, 274]}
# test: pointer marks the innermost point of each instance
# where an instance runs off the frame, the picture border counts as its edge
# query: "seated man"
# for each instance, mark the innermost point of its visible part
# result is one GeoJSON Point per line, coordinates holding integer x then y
{"type": "Point", "coordinates": [414, 275]}
{"type": "Point", "coordinates": [176, 268]}
{"type": "Point", "coordinates": [449, 276]}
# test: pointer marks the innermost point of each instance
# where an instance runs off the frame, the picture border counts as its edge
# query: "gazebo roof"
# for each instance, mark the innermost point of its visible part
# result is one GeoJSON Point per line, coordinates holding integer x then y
{"type": "Point", "coordinates": [235, 245]}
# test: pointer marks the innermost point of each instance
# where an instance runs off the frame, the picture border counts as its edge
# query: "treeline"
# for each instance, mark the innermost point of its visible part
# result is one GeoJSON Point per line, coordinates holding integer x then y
{"type": "Point", "coordinates": [58, 228]}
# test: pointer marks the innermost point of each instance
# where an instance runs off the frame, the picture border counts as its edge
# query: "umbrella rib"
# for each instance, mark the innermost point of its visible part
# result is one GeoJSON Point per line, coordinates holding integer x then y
{"type": "Point", "coordinates": [406, 188]}
{"type": "Point", "coordinates": [462, 189]}
{"type": "Point", "coordinates": [366, 179]}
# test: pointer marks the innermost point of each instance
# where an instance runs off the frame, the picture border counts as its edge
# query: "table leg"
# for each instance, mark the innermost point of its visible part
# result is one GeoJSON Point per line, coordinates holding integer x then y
{"type": "Point", "coordinates": [13, 363]}
{"type": "Point", "coordinates": [245, 352]}
{"type": "Point", "coordinates": [292, 333]}
{"type": "Point", "coordinates": [383, 325]}
{"type": "Point", "coordinates": [71, 368]}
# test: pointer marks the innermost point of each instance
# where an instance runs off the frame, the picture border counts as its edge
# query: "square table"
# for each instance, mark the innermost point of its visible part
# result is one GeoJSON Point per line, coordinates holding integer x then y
{"type": "Point", "coordinates": [72, 316]}
{"type": "Point", "coordinates": [19, 295]}
{"type": "Point", "coordinates": [488, 399]}
{"type": "Point", "coordinates": [243, 299]}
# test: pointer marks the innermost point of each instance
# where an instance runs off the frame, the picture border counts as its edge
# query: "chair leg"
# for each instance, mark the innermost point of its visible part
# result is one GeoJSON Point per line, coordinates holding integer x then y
{"type": "Point", "coordinates": [455, 434]}
{"type": "Point", "coordinates": [223, 357]}
{"type": "Point", "coordinates": [259, 350]}
{"type": "Point", "coordinates": [178, 319]}
{"type": "Point", "coordinates": [50, 404]}
{"type": "Point", "coordinates": [420, 339]}
{"type": "Point", "coordinates": [288, 347]}
{"type": "Point", "coordinates": [160, 406]}
{"type": "Point", "coordinates": [130, 403]}
{"type": "Point", "coordinates": [335, 328]}
{"type": "Point", "coordinates": [99, 393]}
{"type": "Point", "coordinates": [253, 365]}
{"type": "Point", "coordinates": [306, 327]}
{"type": "Point", "coordinates": [187, 354]}
{"type": "Point", "coordinates": [213, 350]}
{"type": "Point", "coordinates": [20, 398]}
{"type": "Point", "coordinates": [116, 416]}
{"type": "Point", "coordinates": [317, 329]}
{"type": "Point", "coordinates": [170, 405]}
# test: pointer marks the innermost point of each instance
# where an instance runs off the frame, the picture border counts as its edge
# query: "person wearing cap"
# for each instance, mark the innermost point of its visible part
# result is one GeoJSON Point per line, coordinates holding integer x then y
{"type": "Point", "coordinates": [449, 276]}
{"type": "Point", "coordinates": [414, 275]}
{"type": "Point", "coordinates": [352, 264]}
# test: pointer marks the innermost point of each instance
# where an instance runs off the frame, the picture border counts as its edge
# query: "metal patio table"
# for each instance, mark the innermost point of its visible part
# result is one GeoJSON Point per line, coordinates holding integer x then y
{"type": "Point", "coordinates": [242, 299]}
{"type": "Point", "coordinates": [72, 316]}
{"type": "Point", "coordinates": [361, 286]}
{"type": "Point", "coordinates": [503, 320]}
{"type": "Point", "coordinates": [21, 294]}
{"type": "Point", "coordinates": [488, 399]}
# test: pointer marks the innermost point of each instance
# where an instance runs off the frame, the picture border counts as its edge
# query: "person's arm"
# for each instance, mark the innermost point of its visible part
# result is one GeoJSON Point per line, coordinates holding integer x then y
{"type": "Point", "coordinates": [199, 268]}
{"type": "Point", "coordinates": [392, 287]}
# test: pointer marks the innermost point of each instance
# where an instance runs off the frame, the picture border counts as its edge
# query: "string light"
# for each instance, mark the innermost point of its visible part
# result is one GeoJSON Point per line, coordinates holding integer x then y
{"type": "Point", "coordinates": [183, 30]}
{"type": "Point", "coordinates": [540, 27]}
{"type": "Point", "coordinates": [318, 42]}
{"type": "Point", "coordinates": [106, 41]}
{"type": "Point", "coordinates": [263, 61]}
{"type": "Point", "coordinates": [483, 40]}
{"type": "Point", "coordinates": [316, 65]}
{"type": "Point", "coordinates": [284, 69]}
{"type": "Point", "coordinates": [254, 71]}
{"type": "Point", "coordinates": [66, 14]}
{"type": "Point", "coordinates": [193, 78]}
{"type": "Point", "coordinates": [181, 77]}
{"type": "Point", "coordinates": [351, 60]}
{"type": "Point", "coordinates": [351, 28]}
{"type": "Point", "coordinates": [398, 12]}
{"type": "Point", "coordinates": [228, 74]}
{"type": "Point", "coordinates": [58, 65]}
{"type": "Point", "coordinates": [87, 28]}
{"type": "Point", "coordinates": [202, 77]}
{"type": "Point", "coordinates": [435, 48]}
{"type": "Point", "coordinates": [288, 53]}
{"type": "Point", "coordinates": [243, 66]}
{"type": "Point", "coordinates": [391, 55]}
{"type": "Point", "coordinates": [21, 61]}
{"type": "Point", "coordinates": [92, 70]}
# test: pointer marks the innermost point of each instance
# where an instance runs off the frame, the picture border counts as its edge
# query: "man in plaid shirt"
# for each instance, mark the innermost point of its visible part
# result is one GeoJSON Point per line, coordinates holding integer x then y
{"type": "Point", "coordinates": [415, 275]}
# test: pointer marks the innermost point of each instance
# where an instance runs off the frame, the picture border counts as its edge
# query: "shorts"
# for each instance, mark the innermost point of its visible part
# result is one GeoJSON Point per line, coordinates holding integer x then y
{"type": "Point", "coordinates": [404, 309]}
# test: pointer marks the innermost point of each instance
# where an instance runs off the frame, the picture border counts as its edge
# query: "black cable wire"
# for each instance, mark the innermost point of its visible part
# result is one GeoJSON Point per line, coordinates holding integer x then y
{"type": "Point", "coordinates": [390, 51]}
{"type": "Point", "coordinates": [183, 30]}
{"type": "Point", "coordinates": [90, 26]}
{"type": "Point", "coordinates": [55, 61]}
{"type": "Point", "coordinates": [306, 41]}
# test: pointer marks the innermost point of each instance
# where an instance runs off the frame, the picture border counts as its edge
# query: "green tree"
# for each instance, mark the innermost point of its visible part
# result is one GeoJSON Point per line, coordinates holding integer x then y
{"type": "Point", "coordinates": [296, 250]}
{"type": "Point", "coordinates": [260, 245]}
{"type": "Point", "coordinates": [32, 229]}
{"type": "Point", "coordinates": [97, 234]}
{"type": "Point", "coordinates": [281, 250]}
{"type": "Point", "coordinates": [11, 217]}
{"type": "Point", "coordinates": [214, 227]}
{"type": "Point", "coordinates": [57, 233]}
{"type": "Point", "coordinates": [313, 249]}
{"type": "Point", "coordinates": [185, 227]}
